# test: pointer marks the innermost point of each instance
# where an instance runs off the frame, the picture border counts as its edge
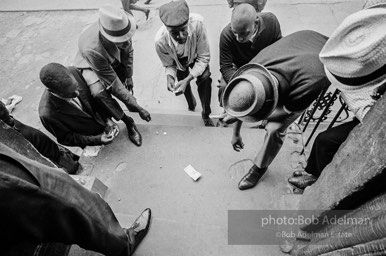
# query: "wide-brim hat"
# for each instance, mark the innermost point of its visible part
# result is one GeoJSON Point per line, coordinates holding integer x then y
{"type": "Point", "coordinates": [354, 57]}
{"type": "Point", "coordinates": [374, 4]}
{"type": "Point", "coordinates": [252, 93]}
{"type": "Point", "coordinates": [115, 24]}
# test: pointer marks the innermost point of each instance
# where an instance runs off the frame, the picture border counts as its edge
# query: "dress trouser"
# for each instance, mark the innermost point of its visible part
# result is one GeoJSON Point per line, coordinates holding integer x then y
{"type": "Point", "coordinates": [204, 88]}
{"type": "Point", "coordinates": [48, 148]}
{"type": "Point", "coordinates": [118, 89]}
{"type": "Point", "coordinates": [273, 140]}
{"type": "Point", "coordinates": [325, 146]}
{"type": "Point", "coordinates": [41, 204]}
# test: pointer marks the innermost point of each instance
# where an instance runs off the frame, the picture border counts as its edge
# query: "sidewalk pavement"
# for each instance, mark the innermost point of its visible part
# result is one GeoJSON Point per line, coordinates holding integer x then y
{"type": "Point", "coordinates": [29, 40]}
{"type": "Point", "coordinates": [190, 218]}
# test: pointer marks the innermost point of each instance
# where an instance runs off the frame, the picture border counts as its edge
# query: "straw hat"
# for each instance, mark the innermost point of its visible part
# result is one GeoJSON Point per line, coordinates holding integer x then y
{"type": "Point", "coordinates": [355, 55]}
{"type": "Point", "coordinates": [252, 94]}
{"type": "Point", "coordinates": [115, 24]}
{"type": "Point", "coordinates": [374, 3]}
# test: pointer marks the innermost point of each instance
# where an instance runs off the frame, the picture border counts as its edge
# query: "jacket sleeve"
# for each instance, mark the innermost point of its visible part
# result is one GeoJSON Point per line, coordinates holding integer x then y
{"type": "Point", "coordinates": [227, 68]}
{"type": "Point", "coordinates": [276, 30]}
{"type": "Point", "coordinates": [129, 61]}
{"type": "Point", "coordinates": [102, 68]}
{"type": "Point", "coordinates": [67, 137]}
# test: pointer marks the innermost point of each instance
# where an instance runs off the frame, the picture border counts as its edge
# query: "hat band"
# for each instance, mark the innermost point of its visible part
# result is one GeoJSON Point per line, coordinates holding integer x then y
{"type": "Point", "coordinates": [178, 26]}
{"type": "Point", "coordinates": [362, 79]}
{"type": "Point", "coordinates": [118, 33]}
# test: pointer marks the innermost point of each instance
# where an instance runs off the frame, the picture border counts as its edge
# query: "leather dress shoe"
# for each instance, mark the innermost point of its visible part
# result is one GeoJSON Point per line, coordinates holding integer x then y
{"type": "Point", "coordinates": [303, 181]}
{"type": "Point", "coordinates": [208, 122]}
{"type": "Point", "coordinates": [252, 177]}
{"type": "Point", "coordinates": [134, 135]}
{"type": "Point", "coordinates": [138, 230]}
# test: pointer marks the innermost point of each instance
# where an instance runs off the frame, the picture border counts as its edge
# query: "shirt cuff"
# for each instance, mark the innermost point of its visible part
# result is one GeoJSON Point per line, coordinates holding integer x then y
{"type": "Point", "coordinates": [171, 71]}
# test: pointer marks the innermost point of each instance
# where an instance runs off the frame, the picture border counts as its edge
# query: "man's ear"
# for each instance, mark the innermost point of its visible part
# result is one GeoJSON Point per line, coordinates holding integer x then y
{"type": "Point", "coordinates": [257, 22]}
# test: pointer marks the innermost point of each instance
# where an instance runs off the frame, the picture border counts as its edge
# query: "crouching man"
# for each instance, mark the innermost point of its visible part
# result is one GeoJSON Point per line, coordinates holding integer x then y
{"type": "Point", "coordinates": [182, 44]}
{"type": "Point", "coordinates": [68, 111]}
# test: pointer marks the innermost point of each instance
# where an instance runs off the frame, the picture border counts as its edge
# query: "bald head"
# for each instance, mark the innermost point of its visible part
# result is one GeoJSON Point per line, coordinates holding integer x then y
{"type": "Point", "coordinates": [244, 22]}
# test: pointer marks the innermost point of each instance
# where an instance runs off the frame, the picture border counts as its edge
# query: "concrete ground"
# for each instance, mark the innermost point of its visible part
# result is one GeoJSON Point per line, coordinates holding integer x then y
{"type": "Point", "coordinates": [190, 218]}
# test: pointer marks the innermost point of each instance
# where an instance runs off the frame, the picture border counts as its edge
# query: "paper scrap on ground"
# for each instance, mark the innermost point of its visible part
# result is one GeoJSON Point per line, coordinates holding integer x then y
{"type": "Point", "coordinates": [91, 151]}
{"type": "Point", "coordinates": [195, 175]}
{"type": "Point", "coordinates": [11, 102]}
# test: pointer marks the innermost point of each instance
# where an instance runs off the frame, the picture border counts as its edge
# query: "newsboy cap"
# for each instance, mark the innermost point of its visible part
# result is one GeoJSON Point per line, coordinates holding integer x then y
{"type": "Point", "coordinates": [175, 13]}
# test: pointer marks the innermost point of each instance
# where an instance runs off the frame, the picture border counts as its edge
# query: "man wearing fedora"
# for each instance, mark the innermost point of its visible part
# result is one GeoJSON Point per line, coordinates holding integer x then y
{"type": "Point", "coordinates": [105, 58]}
{"type": "Point", "coordinates": [42, 204]}
{"type": "Point", "coordinates": [248, 33]}
{"type": "Point", "coordinates": [183, 48]}
{"type": "Point", "coordinates": [257, 4]}
{"type": "Point", "coordinates": [358, 70]}
{"type": "Point", "coordinates": [277, 85]}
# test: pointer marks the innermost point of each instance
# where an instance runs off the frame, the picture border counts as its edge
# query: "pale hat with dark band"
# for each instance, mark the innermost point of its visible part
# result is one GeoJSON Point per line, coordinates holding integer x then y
{"type": "Point", "coordinates": [252, 93]}
{"type": "Point", "coordinates": [375, 4]}
{"type": "Point", "coordinates": [354, 57]}
{"type": "Point", "coordinates": [115, 24]}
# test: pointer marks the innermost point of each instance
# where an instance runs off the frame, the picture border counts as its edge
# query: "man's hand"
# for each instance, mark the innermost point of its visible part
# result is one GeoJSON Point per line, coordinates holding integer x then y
{"type": "Point", "coordinates": [228, 119]}
{"type": "Point", "coordinates": [144, 114]}
{"type": "Point", "coordinates": [107, 138]}
{"type": "Point", "coordinates": [111, 127]}
{"type": "Point", "coordinates": [237, 143]}
{"type": "Point", "coordinates": [129, 84]}
{"type": "Point", "coordinates": [181, 87]}
{"type": "Point", "coordinates": [170, 83]}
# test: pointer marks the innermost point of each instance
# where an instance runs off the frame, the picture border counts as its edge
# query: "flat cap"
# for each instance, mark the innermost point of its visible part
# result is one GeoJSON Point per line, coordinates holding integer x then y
{"type": "Point", "coordinates": [175, 13]}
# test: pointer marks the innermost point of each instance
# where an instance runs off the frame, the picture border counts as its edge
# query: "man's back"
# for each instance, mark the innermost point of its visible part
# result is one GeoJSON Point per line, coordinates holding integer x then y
{"type": "Point", "coordinates": [294, 61]}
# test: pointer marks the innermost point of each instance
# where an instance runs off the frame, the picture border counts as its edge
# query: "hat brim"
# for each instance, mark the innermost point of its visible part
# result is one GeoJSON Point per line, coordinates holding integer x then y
{"type": "Point", "coordinates": [125, 37]}
{"type": "Point", "coordinates": [248, 69]}
{"type": "Point", "coordinates": [349, 88]}
{"type": "Point", "coordinates": [378, 5]}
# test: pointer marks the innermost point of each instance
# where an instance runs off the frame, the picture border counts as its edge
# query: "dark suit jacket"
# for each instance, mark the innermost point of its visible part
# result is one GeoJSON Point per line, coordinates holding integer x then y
{"type": "Point", "coordinates": [70, 125]}
{"type": "Point", "coordinates": [233, 54]}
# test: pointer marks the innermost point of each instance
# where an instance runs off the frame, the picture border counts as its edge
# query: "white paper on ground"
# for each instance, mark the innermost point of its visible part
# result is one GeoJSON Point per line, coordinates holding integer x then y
{"type": "Point", "coordinates": [91, 151]}
{"type": "Point", "coordinates": [11, 102]}
{"type": "Point", "coordinates": [195, 175]}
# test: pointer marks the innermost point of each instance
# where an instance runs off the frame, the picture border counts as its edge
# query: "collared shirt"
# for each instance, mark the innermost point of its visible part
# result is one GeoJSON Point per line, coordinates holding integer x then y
{"type": "Point", "coordinates": [360, 102]}
{"type": "Point", "coordinates": [252, 39]}
{"type": "Point", "coordinates": [196, 48]}
{"type": "Point", "coordinates": [73, 101]}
